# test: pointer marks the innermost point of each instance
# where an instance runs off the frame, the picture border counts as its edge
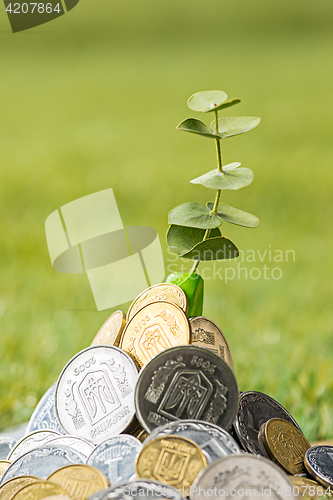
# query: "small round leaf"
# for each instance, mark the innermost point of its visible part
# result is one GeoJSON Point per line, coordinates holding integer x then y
{"type": "Point", "coordinates": [194, 215]}
{"type": "Point", "coordinates": [182, 239]}
{"type": "Point", "coordinates": [219, 248]}
{"type": "Point", "coordinates": [206, 101]}
{"type": "Point", "coordinates": [235, 216]}
{"type": "Point", "coordinates": [196, 127]}
{"type": "Point", "coordinates": [234, 125]}
{"type": "Point", "coordinates": [233, 177]}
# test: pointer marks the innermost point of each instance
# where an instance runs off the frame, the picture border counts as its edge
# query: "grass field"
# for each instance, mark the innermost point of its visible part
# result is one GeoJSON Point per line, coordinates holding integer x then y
{"type": "Point", "coordinates": [91, 101]}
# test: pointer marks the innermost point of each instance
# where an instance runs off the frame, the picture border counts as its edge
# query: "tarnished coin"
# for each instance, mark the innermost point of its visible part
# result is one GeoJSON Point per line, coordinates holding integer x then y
{"type": "Point", "coordinates": [31, 442]}
{"type": "Point", "coordinates": [205, 333]}
{"type": "Point", "coordinates": [304, 488]}
{"type": "Point", "coordinates": [142, 435]}
{"type": "Point", "coordinates": [214, 441]}
{"type": "Point", "coordinates": [183, 383]}
{"type": "Point", "coordinates": [76, 443]}
{"type": "Point", "coordinates": [156, 327]}
{"type": "Point", "coordinates": [140, 489]}
{"type": "Point", "coordinates": [38, 490]}
{"type": "Point", "coordinates": [242, 476]}
{"type": "Point", "coordinates": [256, 408]}
{"type": "Point", "coordinates": [9, 488]}
{"type": "Point", "coordinates": [4, 464]}
{"type": "Point", "coordinates": [115, 458]}
{"type": "Point", "coordinates": [7, 443]}
{"type": "Point", "coordinates": [173, 460]}
{"type": "Point", "coordinates": [95, 393]}
{"type": "Point", "coordinates": [285, 444]}
{"type": "Point", "coordinates": [80, 481]}
{"type": "Point", "coordinates": [319, 462]}
{"type": "Point", "coordinates": [44, 416]}
{"type": "Point", "coordinates": [110, 332]}
{"type": "Point", "coordinates": [166, 292]}
{"type": "Point", "coordinates": [42, 462]}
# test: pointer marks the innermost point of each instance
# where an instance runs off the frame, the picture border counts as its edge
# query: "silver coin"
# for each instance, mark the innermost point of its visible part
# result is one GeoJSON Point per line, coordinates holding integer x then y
{"type": "Point", "coordinates": [31, 442]}
{"type": "Point", "coordinates": [139, 489]}
{"type": "Point", "coordinates": [214, 441]}
{"type": "Point", "coordinates": [319, 463]}
{"type": "Point", "coordinates": [94, 396]}
{"type": "Point", "coordinates": [115, 458]}
{"type": "Point", "coordinates": [44, 415]}
{"type": "Point", "coordinates": [240, 477]}
{"type": "Point", "coordinates": [42, 462]}
{"type": "Point", "coordinates": [75, 443]}
{"type": "Point", "coordinates": [7, 443]}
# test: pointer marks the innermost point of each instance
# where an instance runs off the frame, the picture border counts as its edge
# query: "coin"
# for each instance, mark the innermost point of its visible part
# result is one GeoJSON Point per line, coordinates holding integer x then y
{"type": "Point", "coordinates": [142, 435]}
{"type": "Point", "coordinates": [6, 445]}
{"type": "Point", "coordinates": [110, 332]}
{"type": "Point", "coordinates": [30, 442]}
{"type": "Point", "coordinates": [240, 477]}
{"type": "Point", "coordinates": [115, 458]}
{"type": "Point", "coordinates": [255, 408]}
{"type": "Point", "coordinates": [9, 488]}
{"type": "Point", "coordinates": [305, 488]}
{"type": "Point", "coordinates": [95, 393]}
{"type": "Point", "coordinates": [319, 463]}
{"type": "Point", "coordinates": [80, 481]}
{"type": "Point", "coordinates": [172, 460]}
{"type": "Point", "coordinates": [4, 464]}
{"type": "Point", "coordinates": [156, 327]}
{"type": "Point", "coordinates": [285, 444]}
{"type": "Point", "coordinates": [59, 497]}
{"type": "Point", "coordinates": [214, 441]}
{"type": "Point", "coordinates": [75, 443]}
{"type": "Point", "coordinates": [38, 490]}
{"type": "Point", "coordinates": [44, 416]}
{"type": "Point", "coordinates": [183, 383]}
{"type": "Point", "coordinates": [205, 333]}
{"type": "Point", "coordinates": [140, 489]}
{"type": "Point", "coordinates": [166, 292]}
{"type": "Point", "coordinates": [42, 461]}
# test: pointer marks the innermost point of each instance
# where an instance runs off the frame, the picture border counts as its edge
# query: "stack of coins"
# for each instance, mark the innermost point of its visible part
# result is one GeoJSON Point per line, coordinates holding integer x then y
{"type": "Point", "coordinates": [152, 409]}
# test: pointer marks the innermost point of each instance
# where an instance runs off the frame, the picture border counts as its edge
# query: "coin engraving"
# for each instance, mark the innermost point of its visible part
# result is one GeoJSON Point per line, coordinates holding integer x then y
{"type": "Point", "coordinates": [79, 481]}
{"type": "Point", "coordinates": [166, 292]}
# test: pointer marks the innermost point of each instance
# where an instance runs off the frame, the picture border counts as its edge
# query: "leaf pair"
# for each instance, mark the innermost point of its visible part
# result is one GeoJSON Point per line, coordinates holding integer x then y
{"type": "Point", "coordinates": [210, 100]}
{"type": "Point", "coordinates": [228, 126]}
{"type": "Point", "coordinates": [232, 177]}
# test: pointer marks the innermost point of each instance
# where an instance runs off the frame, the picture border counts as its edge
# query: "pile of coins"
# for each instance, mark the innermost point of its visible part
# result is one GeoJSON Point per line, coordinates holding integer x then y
{"type": "Point", "coordinates": [152, 410]}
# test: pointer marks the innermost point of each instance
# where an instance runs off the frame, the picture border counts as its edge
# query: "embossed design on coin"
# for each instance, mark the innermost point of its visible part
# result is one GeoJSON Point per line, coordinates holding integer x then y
{"type": "Point", "coordinates": [115, 458]}
{"type": "Point", "coordinates": [95, 393]}
{"type": "Point", "coordinates": [171, 460]}
{"type": "Point", "coordinates": [256, 408]}
{"type": "Point", "coordinates": [6, 445]}
{"type": "Point", "coordinates": [31, 442]}
{"type": "Point", "coordinates": [186, 382]}
{"type": "Point", "coordinates": [139, 489]}
{"type": "Point", "coordinates": [39, 490]}
{"type": "Point", "coordinates": [42, 462]}
{"type": "Point", "coordinates": [110, 332]}
{"type": "Point", "coordinates": [79, 481]}
{"type": "Point", "coordinates": [44, 416]}
{"type": "Point", "coordinates": [166, 292]}
{"type": "Point", "coordinates": [76, 443]}
{"type": "Point", "coordinates": [213, 440]}
{"type": "Point", "coordinates": [319, 463]}
{"type": "Point", "coordinates": [285, 444]}
{"type": "Point", "coordinates": [242, 476]}
{"type": "Point", "coordinates": [9, 488]}
{"type": "Point", "coordinates": [205, 333]}
{"type": "Point", "coordinates": [153, 329]}
{"type": "Point", "coordinates": [4, 464]}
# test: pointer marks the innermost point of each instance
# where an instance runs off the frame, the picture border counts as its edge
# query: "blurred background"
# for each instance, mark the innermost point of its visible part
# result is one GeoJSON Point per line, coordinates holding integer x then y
{"type": "Point", "coordinates": [91, 101]}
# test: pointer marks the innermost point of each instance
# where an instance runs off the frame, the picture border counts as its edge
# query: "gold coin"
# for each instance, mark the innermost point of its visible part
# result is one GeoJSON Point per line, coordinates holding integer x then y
{"type": "Point", "coordinates": [39, 490]}
{"type": "Point", "coordinates": [58, 497]}
{"type": "Point", "coordinates": [205, 333]}
{"type": "Point", "coordinates": [163, 291]}
{"type": "Point", "coordinates": [142, 435]}
{"type": "Point", "coordinates": [285, 444]}
{"type": "Point", "coordinates": [172, 460]}
{"type": "Point", "coordinates": [4, 464]}
{"type": "Point", "coordinates": [110, 332]}
{"type": "Point", "coordinates": [12, 486]}
{"type": "Point", "coordinates": [80, 481]}
{"type": "Point", "coordinates": [153, 329]}
{"type": "Point", "coordinates": [304, 488]}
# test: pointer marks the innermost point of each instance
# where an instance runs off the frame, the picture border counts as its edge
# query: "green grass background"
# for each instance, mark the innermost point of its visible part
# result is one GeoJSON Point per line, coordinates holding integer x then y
{"type": "Point", "coordinates": [91, 101]}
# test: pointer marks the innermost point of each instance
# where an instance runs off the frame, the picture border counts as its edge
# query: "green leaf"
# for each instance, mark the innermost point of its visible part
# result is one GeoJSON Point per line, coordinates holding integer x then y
{"type": "Point", "coordinates": [219, 248]}
{"type": "Point", "coordinates": [233, 177]}
{"type": "Point", "coordinates": [235, 125]}
{"type": "Point", "coordinates": [235, 216]}
{"type": "Point", "coordinates": [193, 215]}
{"type": "Point", "coordinates": [182, 239]}
{"type": "Point", "coordinates": [229, 103]}
{"type": "Point", "coordinates": [196, 127]}
{"type": "Point", "coordinates": [206, 101]}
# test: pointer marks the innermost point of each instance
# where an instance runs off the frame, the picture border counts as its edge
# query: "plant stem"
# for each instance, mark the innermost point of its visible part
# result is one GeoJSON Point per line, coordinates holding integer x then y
{"type": "Point", "coordinates": [197, 262]}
